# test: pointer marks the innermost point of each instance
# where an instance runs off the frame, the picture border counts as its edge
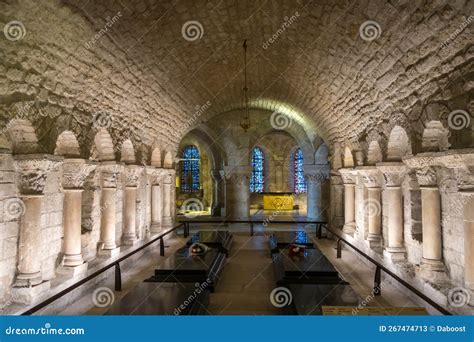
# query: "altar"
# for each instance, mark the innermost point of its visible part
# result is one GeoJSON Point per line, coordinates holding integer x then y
{"type": "Point", "coordinates": [278, 201]}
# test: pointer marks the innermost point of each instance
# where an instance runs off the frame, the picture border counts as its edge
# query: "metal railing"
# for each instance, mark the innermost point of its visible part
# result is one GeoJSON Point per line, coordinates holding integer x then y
{"type": "Point", "coordinates": [115, 264]}
{"type": "Point", "coordinates": [377, 290]}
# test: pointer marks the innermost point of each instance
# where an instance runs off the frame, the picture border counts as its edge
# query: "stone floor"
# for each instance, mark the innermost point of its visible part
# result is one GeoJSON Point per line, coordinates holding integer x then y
{"type": "Point", "coordinates": [246, 282]}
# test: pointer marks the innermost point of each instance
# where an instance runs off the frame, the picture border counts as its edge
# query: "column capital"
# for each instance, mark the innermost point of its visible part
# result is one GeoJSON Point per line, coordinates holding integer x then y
{"type": "Point", "coordinates": [132, 175]}
{"type": "Point", "coordinates": [237, 174]}
{"type": "Point", "coordinates": [316, 178]}
{"type": "Point", "coordinates": [348, 175]}
{"type": "Point", "coordinates": [371, 176]}
{"type": "Point", "coordinates": [393, 173]}
{"type": "Point", "coordinates": [427, 177]}
{"type": "Point", "coordinates": [109, 173]}
{"type": "Point", "coordinates": [75, 172]}
{"type": "Point", "coordinates": [217, 175]}
{"type": "Point", "coordinates": [33, 170]}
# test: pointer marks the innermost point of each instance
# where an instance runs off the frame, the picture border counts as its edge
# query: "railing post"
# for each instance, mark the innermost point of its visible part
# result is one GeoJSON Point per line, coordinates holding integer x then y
{"type": "Point", "coordinates": [251, 229]}
{"type": "Point", "coordinates": [339, 247]}
{"type": "Point", "coordinates": [118, 278]}
{"type": "Point", "coordinates": [162, 247]}
{"type": "Point", "coordinates": [377, 282]}
{"type": "Point", "coordinates": [319, 229]}
{"type": "Point", "coordinates": [186, 229]}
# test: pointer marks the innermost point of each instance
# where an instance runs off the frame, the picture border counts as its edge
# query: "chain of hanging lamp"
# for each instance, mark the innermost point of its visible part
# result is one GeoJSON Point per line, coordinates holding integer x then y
{"type": "Point", "coordinates": [245, 121]}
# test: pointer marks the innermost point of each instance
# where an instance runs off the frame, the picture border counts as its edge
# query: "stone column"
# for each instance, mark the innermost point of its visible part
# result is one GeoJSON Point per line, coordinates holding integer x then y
{"type": "Point", "coordinates": [336, 201]}
{"type": "Point", "coordinates": [314, 179]}
{"type": "Point", "coordinates": [217, 192]}
{"type": "Point", "coordinates": [109, 174]}
{"type": "Point", "coordinates": [348, 178]}
{"type": "Point", "coordinates": [75, 172]}
{"type": "Point", "coordinates": [373, 205]}
{"type": "Point", "coordinates": [132, 174]}
{"type": "Point", "coordinates": [33, 171]}
{"type": "Point", "coordinates": [393, 173]}
{"type": "Point", "coordinates": [430, 220]}
{"type": "Point", "coordinates": [468, 211]}
{"type": "Point", "coordinates": [237, 192]}
{"type": "Point", "coordinates": [168, 199]}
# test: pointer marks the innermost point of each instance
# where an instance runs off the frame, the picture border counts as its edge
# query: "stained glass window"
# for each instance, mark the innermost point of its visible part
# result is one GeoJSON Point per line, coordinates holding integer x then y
{"type": "Point", "coordinates": [258, 161]}
{"type": "Point", "coordinates": [190, 169]}
{"type": "Point", "coordinates": [299, 182]}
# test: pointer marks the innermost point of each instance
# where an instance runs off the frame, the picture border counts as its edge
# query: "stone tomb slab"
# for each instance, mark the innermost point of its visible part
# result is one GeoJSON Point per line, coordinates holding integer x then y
{"type": "Point", "coordinates": [313, 268]}
{"type": "Point", "coordinates": [183, 267]}
{"type": "Point", "coordinates": [219, 239]}
{"type": "Point", "coordinates": [162, 299]}
{"type": "Point", "coordinates": [279, 240]}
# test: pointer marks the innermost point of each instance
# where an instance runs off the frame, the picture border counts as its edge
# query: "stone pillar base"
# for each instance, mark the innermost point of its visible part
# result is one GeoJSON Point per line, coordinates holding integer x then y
{"type": "Point", "coordinates": [129, 241]}
{"type": "Point", "coordinates": [375, 242]}
{"type": "Point", "coordinates": [349, 228]}
{"type": "Point", "coordinates": [167, 222]}
{"type": "Point", "coordinates": [72, 271]}
{"type": "Point", "coordinates": [395, 254]}
{"type": "Point", "coordinates": [28, 279]}
{"type": "Point", "coordinates": [432, 265]}
{"type": "Point", "coordinates": [30, 295]}
{"type": "Point", "coordinates": [109, 253]}
{"type": "Point", "coordinates": [72, 260]}
{"type": "Point", "coordinates": [155, 227]}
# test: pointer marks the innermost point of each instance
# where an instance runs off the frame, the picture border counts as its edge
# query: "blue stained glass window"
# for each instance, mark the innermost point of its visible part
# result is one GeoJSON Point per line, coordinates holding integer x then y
{"type": "Point", "coordinates": [258, 172]}
{"type": "Point", "coordinates": [190, 169]}
{"type": "Point", "coordinates": [299, 182]}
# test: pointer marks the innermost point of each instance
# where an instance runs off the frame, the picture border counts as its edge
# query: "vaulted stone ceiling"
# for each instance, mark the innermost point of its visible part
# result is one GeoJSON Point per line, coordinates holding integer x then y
{"type": "Point", "coordinates": [131, 59]}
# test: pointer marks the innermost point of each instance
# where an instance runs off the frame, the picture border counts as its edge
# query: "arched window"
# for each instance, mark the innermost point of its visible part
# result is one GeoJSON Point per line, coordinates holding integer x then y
{"type": "Point", "coordinates": [258, 172]}
{"type": "Point", "coordinates": [190, 169]}
{"type": "Point", "coordinates": [299, 182]}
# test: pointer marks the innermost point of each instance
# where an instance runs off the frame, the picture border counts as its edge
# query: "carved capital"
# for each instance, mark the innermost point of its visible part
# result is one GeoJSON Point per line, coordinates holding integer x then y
{"type": "Point", "coordinates": [75, 172]}
{"type": "Point", "coordinates": [33, 171]}
{"type": "Point", "coordinates": [316, 178]}
{"type": "Point", "coordinates": [132, 175]}
{"type": "Point", "coordinates": [393, 173]}
{"type": "Point", "coordinates": [464, 179]}
{"type": "Point", "coordinates": [348, 176]}
{"type": "Point", "coordinates": [372, 178]}
{"type": "Point", "coordinates": [110, 174]}
{"type": "Point", "coordinates": [427, 177]}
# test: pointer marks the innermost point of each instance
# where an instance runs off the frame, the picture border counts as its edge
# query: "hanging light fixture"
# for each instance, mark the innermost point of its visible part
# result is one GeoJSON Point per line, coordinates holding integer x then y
{"type": "Point", "coordinates": [245, 121]}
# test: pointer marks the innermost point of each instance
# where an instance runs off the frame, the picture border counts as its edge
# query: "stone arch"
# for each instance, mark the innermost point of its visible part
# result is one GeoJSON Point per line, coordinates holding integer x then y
{"type": "Point", "coordinates": [435, 137]}
{"type": "Point", "coordinates": [156, 157]}
{"type": "Point", "coordinates": [127, 152]}
{"type": "Point", "coordinates": [168, 160]}
{"type": "Point", "coordinates": [103, 146]}
{"type": "Point", "coordinates": [398, 144]}
{"type": "Point", "coordinates": [67, 145]}
{"type": "Point", "coordinates": [23, 137]}
{"type": "Point", "coordinates": [322, 154]}
{"type": "Point", "coordinates": [348, 160]}
{"type": "Point", "coordinates": [374, 153]}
